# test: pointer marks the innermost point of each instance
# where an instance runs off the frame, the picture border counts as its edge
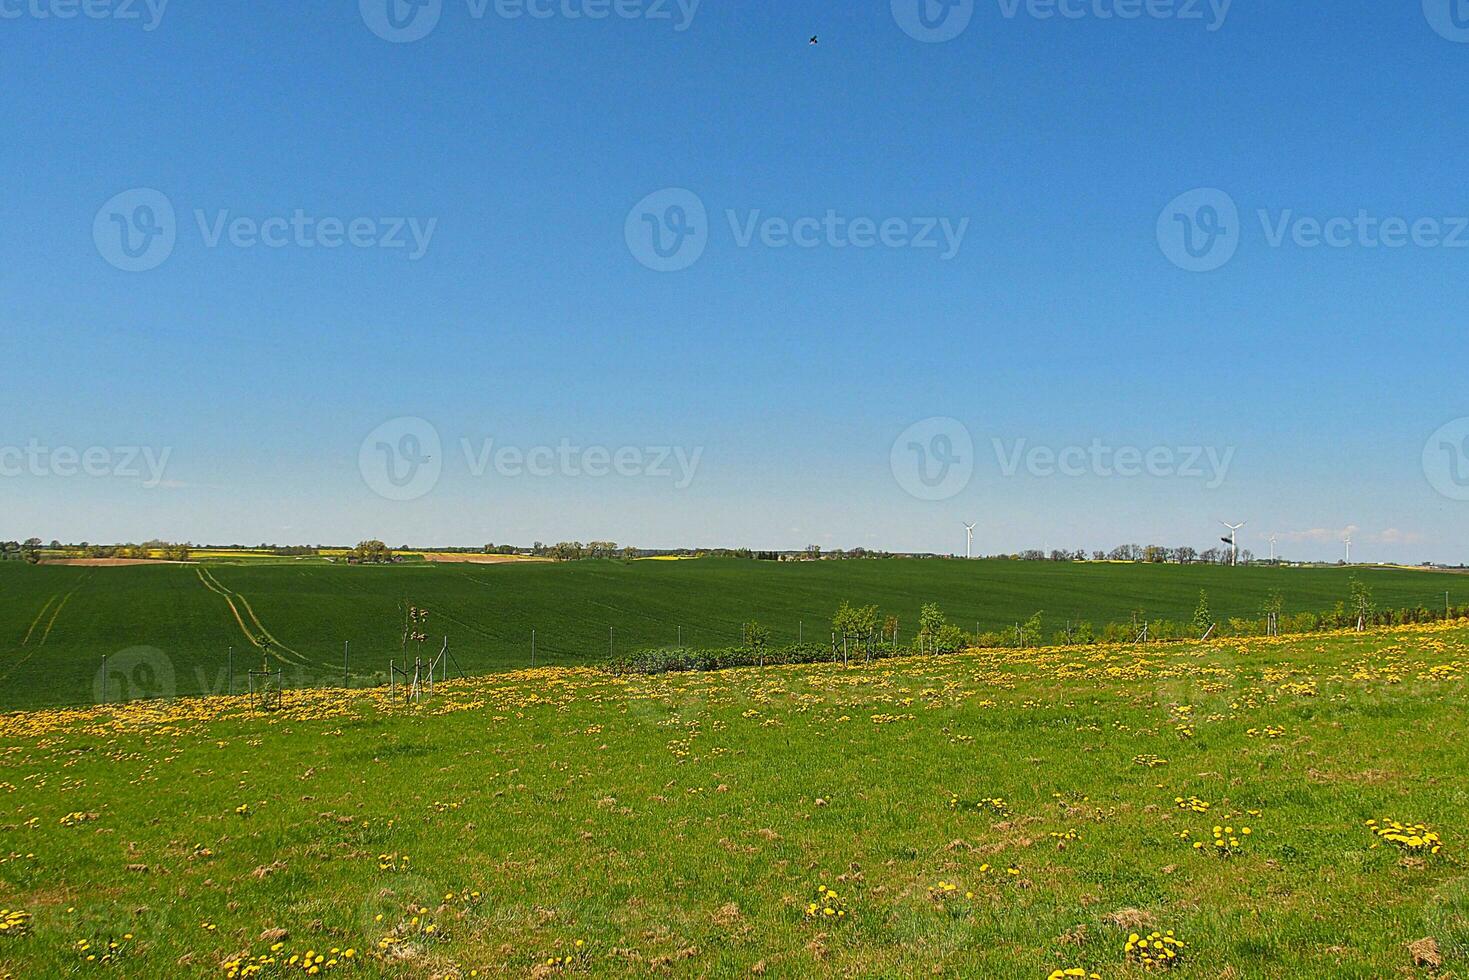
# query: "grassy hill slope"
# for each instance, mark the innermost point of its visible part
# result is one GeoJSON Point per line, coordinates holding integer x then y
{"type": "Point", "coordinates": [683, 825]}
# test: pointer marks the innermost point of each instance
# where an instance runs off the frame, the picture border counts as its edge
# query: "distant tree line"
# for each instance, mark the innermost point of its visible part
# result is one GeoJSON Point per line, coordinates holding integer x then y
{"type": "Point", "coordinates": [1148, 554]}
{"type": "Point", "coordinates": [576, 551]}
{"type": "Point", "coordinates": [28, 550]}
{"type": "Point", "coordinates": [154, 549]}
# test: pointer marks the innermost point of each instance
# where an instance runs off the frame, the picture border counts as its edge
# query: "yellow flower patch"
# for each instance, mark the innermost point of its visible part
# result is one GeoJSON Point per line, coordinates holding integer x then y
{"type": "Point", "coordinates": [828, 905]}
{"type": "Point", "coordinates": [14, 922]}
{"type": "Point", "coordinates": [1414, 838]}
{"type": "Point", "coordinates": [1156, 951]}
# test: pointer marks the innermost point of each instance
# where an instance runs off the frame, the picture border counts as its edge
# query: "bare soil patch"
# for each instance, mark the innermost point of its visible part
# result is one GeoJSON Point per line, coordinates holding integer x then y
{"type": "Point", "coordinates": [449, 558]}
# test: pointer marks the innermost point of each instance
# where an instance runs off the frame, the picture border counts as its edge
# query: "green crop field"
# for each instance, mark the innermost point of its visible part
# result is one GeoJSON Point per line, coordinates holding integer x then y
{"type": "Point", "coordinates": [997, 814]}
{"type": "Point", "coordinates": [167, 629]}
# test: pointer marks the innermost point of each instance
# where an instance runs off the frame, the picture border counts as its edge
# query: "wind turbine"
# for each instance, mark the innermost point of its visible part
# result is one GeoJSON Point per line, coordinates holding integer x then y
{"type": "Point", "coordinates": [1233, 540]}
{"type": "Point", "coordinates": [1273, 539]}
{"type": "Point", "coordinates": [1348, 540]}
{"type": "Point", "coordinates": [969, 541]}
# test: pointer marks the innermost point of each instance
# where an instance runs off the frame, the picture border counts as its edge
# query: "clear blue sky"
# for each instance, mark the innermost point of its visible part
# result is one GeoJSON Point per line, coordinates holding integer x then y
{"type": "Point", "coordinates": [529, 319]}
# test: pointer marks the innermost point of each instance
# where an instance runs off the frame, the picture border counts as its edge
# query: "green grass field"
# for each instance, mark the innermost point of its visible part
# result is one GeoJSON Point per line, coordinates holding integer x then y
{"type": "Point", "coordinates": [167, 628]}
{"type": "Point", "coordinates": [683, 825]}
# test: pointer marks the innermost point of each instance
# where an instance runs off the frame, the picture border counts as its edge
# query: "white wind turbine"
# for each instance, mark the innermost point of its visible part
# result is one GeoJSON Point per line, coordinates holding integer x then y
{"type": "Point", "coordinates": [1273, 539]}
{"type": "Point", "coordinates": [969, 541]}
{"type": "Point", "coordinates": [1233, 540]}
{"type": "Point", "coordinates": [1348, 540]}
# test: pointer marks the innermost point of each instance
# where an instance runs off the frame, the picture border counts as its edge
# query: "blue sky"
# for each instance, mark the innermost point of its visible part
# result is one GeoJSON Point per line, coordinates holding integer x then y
{"type": "Point", "coordinates": [1331, 378]}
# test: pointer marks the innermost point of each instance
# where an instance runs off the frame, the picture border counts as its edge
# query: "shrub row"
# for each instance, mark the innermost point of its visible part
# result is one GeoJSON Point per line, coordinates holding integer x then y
{"type": "Point", "coordinates": [665, 660]}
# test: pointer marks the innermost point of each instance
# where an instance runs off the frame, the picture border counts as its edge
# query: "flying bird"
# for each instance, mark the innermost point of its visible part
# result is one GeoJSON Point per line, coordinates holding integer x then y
{"type": "Point", "coordinates": [814, 40]}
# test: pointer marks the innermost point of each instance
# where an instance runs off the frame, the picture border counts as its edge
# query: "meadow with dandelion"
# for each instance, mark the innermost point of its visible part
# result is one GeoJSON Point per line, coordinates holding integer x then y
{"type": "Point", "coordinates": [1266, 808]}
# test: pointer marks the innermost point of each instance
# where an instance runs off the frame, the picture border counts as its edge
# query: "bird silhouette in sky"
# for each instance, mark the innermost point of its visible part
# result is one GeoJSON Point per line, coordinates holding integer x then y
{"type": "Point", "coordinates": [814, 40]}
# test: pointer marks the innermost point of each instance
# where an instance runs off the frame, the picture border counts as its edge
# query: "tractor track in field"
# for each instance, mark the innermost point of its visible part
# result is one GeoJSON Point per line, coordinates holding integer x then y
{"type": "Point", "coordinates": [52, 621]}
{"type": "Point", "coordinates": [55, 613]}
{"type": "Point", "coordinates": [472, 627]}
{"type": "Point", "coordinates": [46, 633]}
{"type": "Point", "coordinates": [36, 622]}
{"type": "Point", "coordinates": [230, 596]}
